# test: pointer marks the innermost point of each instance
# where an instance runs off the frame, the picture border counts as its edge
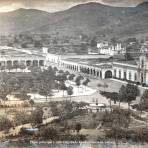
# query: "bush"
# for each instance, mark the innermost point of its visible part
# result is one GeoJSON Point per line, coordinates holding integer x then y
{"type": "Point", "coordinates": [112, 95]}
{"type": "Point", "coordinates": [117, 117]}
{"type": "Point", "coordinates": [139, 135]}
{"type": "Point", "coordinates": [36, 117]}
{"type": "Point", "coordinates": [78, 127]}
{"type": "Point", "coordinates": [5, 123]}
{"type": "Point", "coordinates": [49, 134]}
{"type": "Point", "coordinates": [22, 118]}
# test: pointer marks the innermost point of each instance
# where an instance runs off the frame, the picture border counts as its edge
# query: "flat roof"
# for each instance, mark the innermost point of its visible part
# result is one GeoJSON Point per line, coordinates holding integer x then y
{"type": "Point", "coordinates": [131, 62]}
{"type": "Point", "coordinates": [84, 56]}
{"type": "Point", "coordinates": [99, 63]}
{"type": "Point", "coordinates": [10, 53]}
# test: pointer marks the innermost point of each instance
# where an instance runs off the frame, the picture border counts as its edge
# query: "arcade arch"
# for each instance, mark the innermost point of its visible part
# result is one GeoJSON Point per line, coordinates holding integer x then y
{"type": "Point", "coordinates": [108, 74]}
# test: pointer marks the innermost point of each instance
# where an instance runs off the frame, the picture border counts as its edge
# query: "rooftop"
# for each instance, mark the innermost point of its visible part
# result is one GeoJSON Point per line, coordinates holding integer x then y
{"type": "Point", "coordinates": [98, 62]}
{"type": "Point", "coordinates": [131, 62]}
{"type": "Point", "coordinates": [9, 53]}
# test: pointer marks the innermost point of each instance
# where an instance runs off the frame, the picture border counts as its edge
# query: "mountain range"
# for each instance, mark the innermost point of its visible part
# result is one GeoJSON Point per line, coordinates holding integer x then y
{"type": "Point", "coordinates": [89, 18]}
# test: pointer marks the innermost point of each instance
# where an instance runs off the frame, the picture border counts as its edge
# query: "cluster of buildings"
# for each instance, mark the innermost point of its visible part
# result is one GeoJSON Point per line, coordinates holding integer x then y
{"type": "Point", "coordinates": [103, 66]}
{"type": "Point", "coordinates": [104, 47]}
{"type": "Point", "coordinates": [99, 66]}
{"type": "Point", "coordinates": [134, 49]}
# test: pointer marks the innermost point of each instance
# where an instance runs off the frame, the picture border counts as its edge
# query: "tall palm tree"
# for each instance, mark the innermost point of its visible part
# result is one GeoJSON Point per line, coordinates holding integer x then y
{"type": "Point", "coordinates": [31, 103]}
{"type": "Point", "coordinates": [70, 91]}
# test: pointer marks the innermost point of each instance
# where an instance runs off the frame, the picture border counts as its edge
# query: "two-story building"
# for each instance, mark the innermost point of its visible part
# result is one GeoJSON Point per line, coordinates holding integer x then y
{"type": "Point", "coordinates": [107, 48]}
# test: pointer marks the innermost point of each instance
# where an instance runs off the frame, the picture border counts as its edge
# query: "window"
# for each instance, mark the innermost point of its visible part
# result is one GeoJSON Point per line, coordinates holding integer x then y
{"type": "Point", "coordinates": [120, 74]}
{"type": "Point", "coordinates": [135, 77]}
{"type": "Point", "coordinates": [142, 63]}
{"type": "Point", "coordinates": [125, 75]}
{"type": "Point", "coordinates": [100, 74]}
{"type": "Point", "coordinates": [142, 78]}
{"type": "Point", "coordinates": [130, 76]}
{"type": "Point", "coordinates": [114, 72]}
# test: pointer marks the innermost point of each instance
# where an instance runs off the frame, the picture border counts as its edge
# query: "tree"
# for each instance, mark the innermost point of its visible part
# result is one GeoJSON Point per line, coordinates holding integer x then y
{"type": "Point", "coordinates": [132, 92]}
{"type": "Point", "coordinates": [143, 104]}
{"type": "Point", "coordinates": [78, 127]}
{"type": "Point", "coordinates": [45, 90]}
{"type": "Point", "coordinates": [38, 44]}
{"type": "Point", "coordinates": [37, 116]}
{"type": "Point", "coordinates": [25, 87]}
{"type": "Point", "coordinates": [110, 100]}
{"type": "Point", "coordinates": [61, 78]}
{"type": "Point", "coordinates": [58, 78]}
{"type": "Point", "coordinates": [113, 40]}
{"type": "Point", "coordinates": [70, 91]}
{"type": "Point", "coordinates": [63, 87]}
{"type": "Point", "coordinates": [24, 45]}
{"type": "Point", "coordinates": [22, 118]}
{"type": "Point", "coordinates": [31, 103]}
{"type": "Point", "coordinates": [66, 73]}
{"type": "Point", "coordinates": [46, 81]}
{"type": "Point", "coordinates": [55, 69]}
{"type": "Point", "coordinates": [110, 95]}
{"type": "Point", "coordinates": [61, 71]}
{"type": "Point", "coordinates": [128, 93]}
{"type": "Point", "coordinates": [93, 42]}
{"type": "Point", "coordinates": [3, 92]}
{"type": "Point", "coordinates": [12, 84]}
{"type": "Point", "coordinates": [54, 109]}
{"type": "Point", "coordinates": [85, 83]}
{"type": "Point", "coordinates": [78, 81]}
{"type": "Point", "coordinates": [116, 120]}
{"type": "Point", "coordinates": [5, 123]}
{"type": "Point", "coordinates": [71, 77]}
{"type": "Point", "coordinates": [122, 94]}
{"type": "Point", "coordinates": [4, 78]}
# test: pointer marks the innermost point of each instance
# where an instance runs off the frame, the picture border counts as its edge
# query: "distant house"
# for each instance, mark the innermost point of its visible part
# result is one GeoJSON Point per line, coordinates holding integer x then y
{"type": "Point", "coordinates": [144, 47]}
{"type": "Point", "coordinates": [104, 47]}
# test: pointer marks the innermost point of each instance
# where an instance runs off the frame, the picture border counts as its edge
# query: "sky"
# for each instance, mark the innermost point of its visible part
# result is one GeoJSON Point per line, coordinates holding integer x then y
{"type": "Point", "coordinates": [59, 5]}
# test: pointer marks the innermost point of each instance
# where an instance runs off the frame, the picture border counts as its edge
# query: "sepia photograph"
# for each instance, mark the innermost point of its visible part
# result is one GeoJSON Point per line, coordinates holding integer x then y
{"type": "Point", "coordinates": [73, 73]}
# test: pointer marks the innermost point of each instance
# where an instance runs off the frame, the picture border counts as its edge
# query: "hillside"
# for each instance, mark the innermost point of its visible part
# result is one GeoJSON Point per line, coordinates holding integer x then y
{"type": "Point", "coordinates": [96, 18]}
{"type": "Point", "coordinates": [90, 18]}
{"type": "Point", "coordinates": [21, 20]}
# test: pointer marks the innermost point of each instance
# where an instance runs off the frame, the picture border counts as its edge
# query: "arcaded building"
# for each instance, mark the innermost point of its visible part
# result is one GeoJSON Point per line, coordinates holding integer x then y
{"type": "Point", "coordinates": [96, 66]}
{"type": "Point", "coordinates": [16, 57]}
{"type": "Point", "coordinates": [101, 67]}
